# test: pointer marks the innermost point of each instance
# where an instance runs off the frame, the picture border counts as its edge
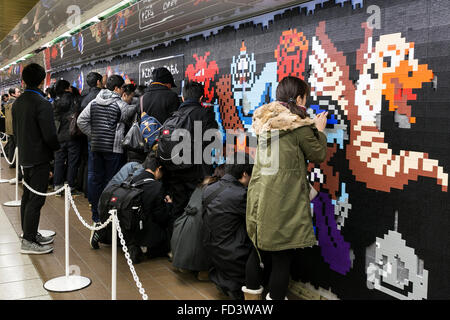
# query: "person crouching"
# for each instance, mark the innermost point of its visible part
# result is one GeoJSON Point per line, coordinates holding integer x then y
{"type": "Point", "coordinates": [225, 237]}
{"type": "Point", "coordinates": [150, 233]}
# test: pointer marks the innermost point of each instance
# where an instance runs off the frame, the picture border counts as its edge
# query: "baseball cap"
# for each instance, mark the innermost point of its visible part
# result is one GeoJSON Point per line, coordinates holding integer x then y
{"type": "Point", "coordinates": [163, 75]}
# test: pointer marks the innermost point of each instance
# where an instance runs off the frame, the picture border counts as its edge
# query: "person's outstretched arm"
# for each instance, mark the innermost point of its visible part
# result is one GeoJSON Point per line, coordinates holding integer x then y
{"type": "Point", "coordinates": [313, 144]}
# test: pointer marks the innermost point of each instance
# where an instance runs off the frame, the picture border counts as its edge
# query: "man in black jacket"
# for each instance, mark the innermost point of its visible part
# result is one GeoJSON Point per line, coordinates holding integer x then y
{"type": "Point", "coordinates": [182, 183]}
{"type": "Point", "coordinates": [224, 230]}
{"type": "Point", "coordinates": [66, 105]}
{"type": "Point", "coordinates": [157, 206]}
{"type": "Point", "coordinates": [160, 101]}
{"type": "Point", "coordinates": [95, 83]}
{"type": "Point", "coordinates": [36, 138]}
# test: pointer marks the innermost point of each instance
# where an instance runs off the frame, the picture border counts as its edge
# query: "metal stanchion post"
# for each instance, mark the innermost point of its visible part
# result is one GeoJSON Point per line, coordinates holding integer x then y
{"type": "Point", "coordinates": [2, 180]}
{"type": "Point", "coordinates": [17, 202]}
{"type": "Point", "coordinates": [66, 227]}
{"type": "Point", "coordinates": [114, 256]}
{"type": "Point", "coordinates": [68, 282]}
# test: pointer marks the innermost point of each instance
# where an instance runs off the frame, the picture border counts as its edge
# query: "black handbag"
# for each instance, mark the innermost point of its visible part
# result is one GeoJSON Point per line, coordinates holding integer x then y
{"type": "Point", "coordinates": [133, 140]}
{"type": "Point", "coordinates": [73, 126]}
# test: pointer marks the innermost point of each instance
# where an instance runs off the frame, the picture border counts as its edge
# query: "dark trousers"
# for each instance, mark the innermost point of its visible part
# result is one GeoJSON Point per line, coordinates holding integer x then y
{"type": "Point", "coordinates": [90, 173]}
{"type": "Point", "coordinates": [181, 192]}
{"type": "Point", "coordinates": [105, 166]}
{"type": "Point", "coordinates": [69, 154]}
{"type": "Point", "coordinates": [30, 209]}
{"type": "Point", "coordinates": [81, 184]}
{"type": "Point", "coordinates": [277, 271]}
{"type": "Point", "coordinates": [10, 148]}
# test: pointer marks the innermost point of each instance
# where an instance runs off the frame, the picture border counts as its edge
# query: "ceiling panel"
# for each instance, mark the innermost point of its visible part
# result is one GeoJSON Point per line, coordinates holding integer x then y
{"type": "Point", "coordinates": [11, 12]}
{"type": "Point", "coordinates": [144, 23]}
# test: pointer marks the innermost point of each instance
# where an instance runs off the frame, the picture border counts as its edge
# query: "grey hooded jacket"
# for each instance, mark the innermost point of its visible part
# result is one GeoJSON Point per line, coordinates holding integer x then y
{"type": "Point", "coordinates": [104, 121]}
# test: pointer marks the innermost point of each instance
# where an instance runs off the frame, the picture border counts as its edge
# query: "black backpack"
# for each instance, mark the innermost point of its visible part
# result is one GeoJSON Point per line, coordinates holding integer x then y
{"type": "Point", "coordinates": [126, 198]}
{"type": "Point", "coordinates": [178, 120]}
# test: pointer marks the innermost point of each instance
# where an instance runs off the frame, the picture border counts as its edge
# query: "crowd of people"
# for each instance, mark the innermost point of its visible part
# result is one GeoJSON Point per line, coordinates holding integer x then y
{"type": "Point", "coordinates": [237, 224]}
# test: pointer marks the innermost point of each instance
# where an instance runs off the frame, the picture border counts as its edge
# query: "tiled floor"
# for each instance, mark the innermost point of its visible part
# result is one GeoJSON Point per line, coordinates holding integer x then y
{"type": "Point", "coordinates": [20, 275]}
{"type": "Point", "coordinates": [19, 278]}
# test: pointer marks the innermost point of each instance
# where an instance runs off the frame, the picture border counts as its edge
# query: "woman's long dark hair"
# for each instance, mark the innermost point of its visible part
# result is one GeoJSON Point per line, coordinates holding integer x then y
{"type": "Point", "coordinates": [287, 92]}
{"type": "Point", "coordinates": [61, 86]}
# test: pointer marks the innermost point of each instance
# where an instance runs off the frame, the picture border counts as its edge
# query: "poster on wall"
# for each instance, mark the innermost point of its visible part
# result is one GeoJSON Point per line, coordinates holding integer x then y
{"type": "Point", "coordinates": [175, 64]}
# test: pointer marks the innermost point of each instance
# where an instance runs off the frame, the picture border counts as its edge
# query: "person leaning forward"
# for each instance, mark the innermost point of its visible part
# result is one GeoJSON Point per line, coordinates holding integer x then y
{"type": "Point", "coordinates": [160, 101]}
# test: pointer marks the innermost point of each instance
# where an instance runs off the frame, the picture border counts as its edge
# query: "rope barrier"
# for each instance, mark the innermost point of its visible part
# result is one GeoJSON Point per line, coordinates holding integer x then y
{"type": "Point", "coordinates": [41, 194]}
{"type": "Point", "coordinates": [74, 207]}
{"type": "Point", "coordinates": [101, 226]}
{"type": "Point", "coordinates": [17, 202]}
{"type": "Point", "coordinates": [4, 135]}
{"type": "Point", "coordinates": [129, 261]}
{"type": "Point", "coordinates": [4, 155]}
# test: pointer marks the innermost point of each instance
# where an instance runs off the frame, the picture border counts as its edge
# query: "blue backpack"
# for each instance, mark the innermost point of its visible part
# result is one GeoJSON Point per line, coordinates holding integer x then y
{"type": "Point", "coordinates": [149, 127]}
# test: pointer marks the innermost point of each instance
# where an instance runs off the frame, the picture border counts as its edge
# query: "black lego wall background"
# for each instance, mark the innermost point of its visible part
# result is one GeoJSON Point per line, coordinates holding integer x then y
{"type": "Point", "coordinates": [382, 218]}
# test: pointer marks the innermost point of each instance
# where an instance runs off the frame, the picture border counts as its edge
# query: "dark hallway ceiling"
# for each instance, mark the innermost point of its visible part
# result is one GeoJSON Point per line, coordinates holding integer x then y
{"type": "Point", "coordinates": [11, 12]}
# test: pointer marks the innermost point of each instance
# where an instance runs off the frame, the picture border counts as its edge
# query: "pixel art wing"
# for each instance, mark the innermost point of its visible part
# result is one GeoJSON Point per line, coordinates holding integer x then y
{"type": "Point", "coordinates": [387, 68]}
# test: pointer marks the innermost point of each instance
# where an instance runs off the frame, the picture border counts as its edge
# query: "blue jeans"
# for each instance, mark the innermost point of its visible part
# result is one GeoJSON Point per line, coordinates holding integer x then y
{"type": "Point", "coordinates": [105, 166]}
{"type": "Point", "coordinates": [90, 174]}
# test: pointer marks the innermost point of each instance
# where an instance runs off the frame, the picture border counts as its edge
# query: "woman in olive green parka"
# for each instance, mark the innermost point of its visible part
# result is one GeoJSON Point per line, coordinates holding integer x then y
{"type": "Point", "coordinates": [278, 205]}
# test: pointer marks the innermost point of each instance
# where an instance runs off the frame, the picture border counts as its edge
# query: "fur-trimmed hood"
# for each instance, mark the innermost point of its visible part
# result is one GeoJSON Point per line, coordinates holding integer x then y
{"type": "Point", "coordinates": [275, 116]}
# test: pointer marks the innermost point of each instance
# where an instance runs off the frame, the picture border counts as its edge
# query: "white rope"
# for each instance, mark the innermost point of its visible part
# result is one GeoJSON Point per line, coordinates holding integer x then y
{"type": "Point", "coordinates": [39, 193]}
{"type": "Point", "coordinates": [73, 205]}
{"type": "Point", "coordinates": [4, 154]}
{"type": "Point", "coordinates": [129, 261]}
{"type": "Point", "coordinates": [102, 226]}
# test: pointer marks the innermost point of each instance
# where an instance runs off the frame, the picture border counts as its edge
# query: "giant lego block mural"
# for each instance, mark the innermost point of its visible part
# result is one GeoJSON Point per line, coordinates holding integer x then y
{"type": "Point", "coordinates": [387, 158]}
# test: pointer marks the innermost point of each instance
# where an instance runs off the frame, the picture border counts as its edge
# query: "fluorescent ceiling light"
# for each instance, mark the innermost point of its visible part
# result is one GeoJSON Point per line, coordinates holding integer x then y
{"type": "Point", "coordinates": [103, 15]}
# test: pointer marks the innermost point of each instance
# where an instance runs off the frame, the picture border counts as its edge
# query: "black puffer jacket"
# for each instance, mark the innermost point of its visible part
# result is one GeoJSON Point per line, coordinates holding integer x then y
{"type": "Point", "coordinates": [63, 108]}
{"type": "Point", "coordinates": [224, 235]}
{"type": "Point", "coordinates": [104, 120]}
